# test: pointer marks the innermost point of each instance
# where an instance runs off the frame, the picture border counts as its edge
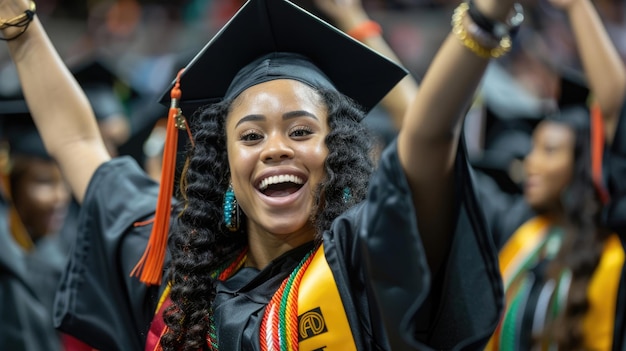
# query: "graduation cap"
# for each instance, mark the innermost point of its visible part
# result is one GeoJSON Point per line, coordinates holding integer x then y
{"type": "Point", "coordinates": [573, 89]}
{"type": "Point", "coordinates": [19, 131]}
{"type": "Point", "coordinates": [265, 40]}
{"type": "Point", "coordinates": [577, 110]}
{"type": "Point", "coordinates": [573, 100]}
{"type": "Point", "coordinates": [263, 27]}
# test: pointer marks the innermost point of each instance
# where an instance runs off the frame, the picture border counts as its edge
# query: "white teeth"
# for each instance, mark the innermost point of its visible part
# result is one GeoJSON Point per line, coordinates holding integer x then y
{"type": "Point", "coordinates": [283, 178]}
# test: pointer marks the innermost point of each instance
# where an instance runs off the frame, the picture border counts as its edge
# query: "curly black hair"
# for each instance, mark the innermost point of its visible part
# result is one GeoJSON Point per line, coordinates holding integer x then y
{"type": "Point", "coordinates": [584, 238]}
{"type": "Point", "coordinates": [201, 243]}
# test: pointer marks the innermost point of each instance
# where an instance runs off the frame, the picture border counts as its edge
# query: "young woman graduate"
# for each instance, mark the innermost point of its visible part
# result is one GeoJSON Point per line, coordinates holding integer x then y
{"type": "Point", "coordinates": [559, 261]}
{"type": "Point", "coordinates": [286, 237]}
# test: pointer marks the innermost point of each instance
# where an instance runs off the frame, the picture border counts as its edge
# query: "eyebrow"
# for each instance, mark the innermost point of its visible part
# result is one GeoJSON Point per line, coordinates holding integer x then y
{"type": "Point", "coordinates": [286, 116]}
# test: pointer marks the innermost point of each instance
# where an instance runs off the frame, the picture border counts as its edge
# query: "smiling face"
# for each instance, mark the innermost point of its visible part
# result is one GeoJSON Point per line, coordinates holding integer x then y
{"type": "Point", "coordinates": [276, 150]}
{"type": "Point", "coordinates": [549, 166]}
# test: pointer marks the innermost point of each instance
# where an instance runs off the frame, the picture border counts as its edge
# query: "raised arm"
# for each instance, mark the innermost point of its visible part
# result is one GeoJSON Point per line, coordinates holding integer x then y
{"type": "Point", "coordinates": [601, 61]}
{"type": "Point", "coordinates": [429, 137]}
{"type": "Point", "coordinates": [59, 107]}
{"type": "Point", "coordinates": [350, 17]}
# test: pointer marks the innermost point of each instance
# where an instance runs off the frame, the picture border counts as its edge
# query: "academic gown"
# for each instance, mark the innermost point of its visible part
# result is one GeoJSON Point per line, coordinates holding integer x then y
{"type": "Point", "coordinates": [25, 322]}
{"type": "Point", "coordinates": [373, 250]}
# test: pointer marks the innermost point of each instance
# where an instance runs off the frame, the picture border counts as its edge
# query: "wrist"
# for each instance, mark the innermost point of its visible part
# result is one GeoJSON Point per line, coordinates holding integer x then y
{"type": "Point", "coordinates": [13, 27]}
{"type": "Point", "coordinates": [350, 18]}
{"type": "Point", "coordinates": [495, 10]}
{"type": "Point", "coordinates": [497, 28]}
{"type": "Point", "coordinates": [365, 30]}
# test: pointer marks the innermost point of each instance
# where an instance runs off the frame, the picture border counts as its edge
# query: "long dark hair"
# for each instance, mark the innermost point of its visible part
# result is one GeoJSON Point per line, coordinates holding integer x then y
{"type": "Point", "coordinates": [201, 243]}
{"type": "Point", "coordinates": [584, 236]}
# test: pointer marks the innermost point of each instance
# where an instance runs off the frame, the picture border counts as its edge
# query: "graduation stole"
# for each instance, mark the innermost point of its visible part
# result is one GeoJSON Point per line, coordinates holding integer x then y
{"type": "Point", "coordinates": [523, 243]}
{"type": "Point", "coordinates": [599, 322]}
{"type": "Point", "coordinates": [305, 313]}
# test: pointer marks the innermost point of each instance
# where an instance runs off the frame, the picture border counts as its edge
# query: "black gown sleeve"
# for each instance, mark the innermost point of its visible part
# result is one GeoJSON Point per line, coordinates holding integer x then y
{"type": "Point", "coordinates": [97, 301]}
{"type": "Point", "coordinates": [504, 212]}
{"type": "Point", "coordinates": [459, 309]}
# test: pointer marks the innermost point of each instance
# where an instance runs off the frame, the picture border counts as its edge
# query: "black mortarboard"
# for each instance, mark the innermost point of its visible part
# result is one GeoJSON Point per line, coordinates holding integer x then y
{"type": "Point", "coordinates": [573, 100]}
{"type": "Point", "coordinates": [573, 89]}
{"type": "Point", "coordinates": [105, 90]}
{"type": "Point", "coordinates": [18, 129]}
{"type": "Point", "coordinates": [263, 27]}
{"type": "Point", "coordinates": [265, 40]}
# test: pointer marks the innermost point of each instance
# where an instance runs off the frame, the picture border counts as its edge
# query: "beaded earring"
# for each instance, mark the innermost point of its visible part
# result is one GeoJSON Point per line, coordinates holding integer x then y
{"type": "Point", "coordinates": [231, 210]}
{"type": "Point", "coordinates": [347, 195]}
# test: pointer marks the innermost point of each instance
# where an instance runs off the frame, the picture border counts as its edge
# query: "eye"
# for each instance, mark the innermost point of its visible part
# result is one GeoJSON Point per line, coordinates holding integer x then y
{"type": "Point", "coordinates": [300, 131]}
{"type": "Point", "coordinates": [250, 135]}
{"type": "Point", "coordinates": [550, 149]}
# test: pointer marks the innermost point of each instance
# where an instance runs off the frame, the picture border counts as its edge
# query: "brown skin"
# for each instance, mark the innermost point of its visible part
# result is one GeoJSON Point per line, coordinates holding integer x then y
{"type": "Point", "coordinates": [549, 167]}
{"type": "Point", "coordinates": [277, 127]}
{"type": "Point", "coordinates": [40, 195]}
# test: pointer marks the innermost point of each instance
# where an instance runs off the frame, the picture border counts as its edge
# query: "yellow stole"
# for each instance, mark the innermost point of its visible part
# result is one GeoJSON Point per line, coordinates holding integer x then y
{"type": "Point", "coordinates": [322, 321]}
{"type": "Point", "coordinates": [599, 322]}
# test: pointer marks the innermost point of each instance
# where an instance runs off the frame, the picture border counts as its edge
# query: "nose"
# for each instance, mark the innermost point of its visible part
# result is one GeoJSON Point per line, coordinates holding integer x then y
{"type": "Point", "coordinates": [530, 161]}
{"type": "Point", "coordinates": [277, 148]}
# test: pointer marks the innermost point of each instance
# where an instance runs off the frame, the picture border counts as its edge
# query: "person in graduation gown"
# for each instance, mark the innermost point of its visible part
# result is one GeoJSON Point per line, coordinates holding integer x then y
{"type": "Point", "coordinates": [560, 262]}
{"type": "Point", "coordinates": [25, 322]}
{"type": "Point", "coordinates": [41, 221]}
{"type": "Point", "coordinates": [38, 200]}
{"type": "Point", "coordinates": [348, 256]}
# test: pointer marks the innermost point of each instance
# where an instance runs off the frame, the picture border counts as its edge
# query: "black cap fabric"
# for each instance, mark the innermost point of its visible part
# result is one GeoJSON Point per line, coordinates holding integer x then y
{"type": "Point", "coordinates": [573, 89]}
{"type": "Point", "coordinates": [573, 100]}
{"type": "Point", "coordinates": [18, 129]}
{"type": "Point", "coordinates": [263, 27]}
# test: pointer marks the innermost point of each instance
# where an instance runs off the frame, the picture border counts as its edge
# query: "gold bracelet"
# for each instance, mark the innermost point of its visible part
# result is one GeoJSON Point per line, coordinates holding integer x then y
{"type": "Point", "coordinates": [470, 42]}
{"type": "Point", "coordinates": [19, 20]}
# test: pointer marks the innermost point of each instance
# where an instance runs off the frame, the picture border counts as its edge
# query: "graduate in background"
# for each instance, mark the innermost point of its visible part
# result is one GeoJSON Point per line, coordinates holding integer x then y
{"type": "Point", "coordinates": [35, 201]}
{"type": "Point", "coordinates": [560, 261]}
{"type": "Point", "coordinates": [32, 180]}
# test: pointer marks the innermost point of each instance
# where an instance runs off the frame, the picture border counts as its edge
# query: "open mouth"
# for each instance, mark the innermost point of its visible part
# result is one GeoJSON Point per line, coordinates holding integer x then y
{"type": "Point", "coordinates": [281, 185]}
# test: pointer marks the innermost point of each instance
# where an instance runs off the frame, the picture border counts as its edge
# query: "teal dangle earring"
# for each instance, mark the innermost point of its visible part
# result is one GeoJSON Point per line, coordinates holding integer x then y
{"type": "Point", "coordinates": [347, 195]}
{"type": "Point", "coordinates": [231, 210]}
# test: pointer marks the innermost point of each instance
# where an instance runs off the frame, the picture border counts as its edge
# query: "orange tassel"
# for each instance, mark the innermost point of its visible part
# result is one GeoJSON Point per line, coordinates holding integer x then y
{"type": "Point", "coordinates": [597, 150]}
{"type": "Point", "coordinates": [149, 269]}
